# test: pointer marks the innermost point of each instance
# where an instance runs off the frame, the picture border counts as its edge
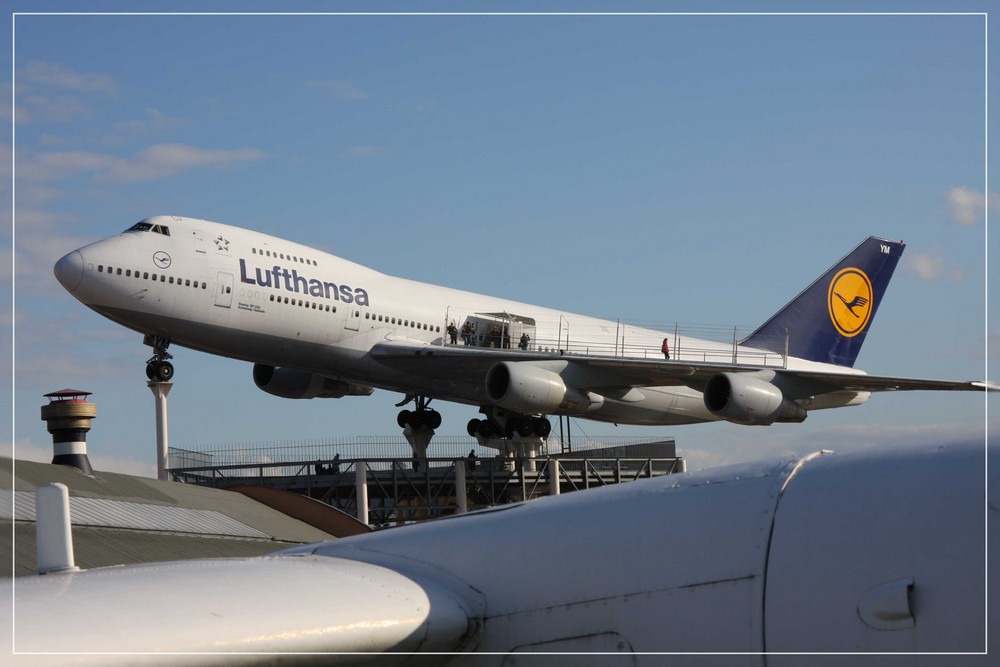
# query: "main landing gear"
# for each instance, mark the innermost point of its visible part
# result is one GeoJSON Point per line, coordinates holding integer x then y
{"type": "Point", "coordinates": [158, 368]}
{"type": "Point", "coordinates": [516, 436]}
{"type": "Point", "coordinates": [508, 425]}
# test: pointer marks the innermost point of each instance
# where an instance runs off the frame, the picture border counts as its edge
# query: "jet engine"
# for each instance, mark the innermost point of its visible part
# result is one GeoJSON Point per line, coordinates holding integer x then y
{"type": "Point", "coordinates": [529, 389]}
{"type": "Point", "coordinates": [742, 398]}
{"type": "Point", "coordinates": [293, 383]}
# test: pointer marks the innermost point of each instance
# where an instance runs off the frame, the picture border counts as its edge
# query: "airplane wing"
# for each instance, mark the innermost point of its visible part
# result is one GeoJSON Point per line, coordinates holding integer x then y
{"type": "Point", "coordinates": [210, 611]}
{"type": "Point", "coordinates": [470, 365]}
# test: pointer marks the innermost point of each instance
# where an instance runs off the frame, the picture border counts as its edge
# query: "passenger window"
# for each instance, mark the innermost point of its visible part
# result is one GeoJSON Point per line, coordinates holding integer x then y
{"type": "Point", "coordinates": [128, 273]}
{"type": "Point", "coordinates": [100, 268]}
{"type": "Point", "coordinates": [187, 283]}
{"type": "Point", "coordinates": [119, 272]}
{"type": "Point", "coordinates": [171, 280]}
{"type": "Point", "coordinates": [145, 276]}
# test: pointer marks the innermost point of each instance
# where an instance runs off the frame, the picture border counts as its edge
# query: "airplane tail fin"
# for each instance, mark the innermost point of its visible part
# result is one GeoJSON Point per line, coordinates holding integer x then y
{"type": "Point", "coordinates": [828, 321]}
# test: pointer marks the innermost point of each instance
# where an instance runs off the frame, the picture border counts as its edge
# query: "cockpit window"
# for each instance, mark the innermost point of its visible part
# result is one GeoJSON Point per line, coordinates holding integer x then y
{"type": "Point", "coordinates": [149, 227]}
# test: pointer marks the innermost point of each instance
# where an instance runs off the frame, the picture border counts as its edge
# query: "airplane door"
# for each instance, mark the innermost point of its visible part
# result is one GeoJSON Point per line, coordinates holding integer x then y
{"type": "Point", "coordinates": [224, 290]}
{"type": "Point", "coordinates": [353, 321]}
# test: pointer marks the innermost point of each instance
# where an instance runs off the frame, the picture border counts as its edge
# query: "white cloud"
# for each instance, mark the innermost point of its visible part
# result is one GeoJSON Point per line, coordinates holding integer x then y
{"type": "Point", "coordinates": [53, 75]}
{"type": "Point", "coordinates": [154, 120]}
{"type": "Point", "coordinates": [929, 267]}
{"type": "Point", "coordinates": [147, 165]}
{"type": "Point", "coordinates": [364, 151]}
{"type": "Point", "coordinates": [968, 205]}
{"type": "Point", "coordinates": [49, 92]}
{"type": "Point", "coordinates": [167, 159]}
{"type": "Point", "coordinates": [343, 91]}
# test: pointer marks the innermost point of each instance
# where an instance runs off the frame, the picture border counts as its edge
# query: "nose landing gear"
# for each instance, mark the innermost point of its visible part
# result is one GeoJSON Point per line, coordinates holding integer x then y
{"type": "Point", "coordinates": [158, 368]}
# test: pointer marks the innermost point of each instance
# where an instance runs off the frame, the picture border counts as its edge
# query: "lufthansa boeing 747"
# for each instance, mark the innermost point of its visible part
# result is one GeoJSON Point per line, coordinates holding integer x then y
{"type": "Point", "coordinates": [316, 325]}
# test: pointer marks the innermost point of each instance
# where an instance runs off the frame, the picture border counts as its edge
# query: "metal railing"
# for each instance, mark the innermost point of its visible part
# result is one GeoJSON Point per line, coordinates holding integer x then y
{"type": "Point", "coordinates": [396, 492]}
{"type": "Point", "coordinates": [705, 343]}
{"type": "Point", "coordinates": [368, 448]}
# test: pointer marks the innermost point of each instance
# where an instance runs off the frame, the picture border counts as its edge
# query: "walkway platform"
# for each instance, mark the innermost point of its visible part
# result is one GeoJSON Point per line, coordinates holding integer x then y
{"type": "Point", "coordinates": [391, 491]}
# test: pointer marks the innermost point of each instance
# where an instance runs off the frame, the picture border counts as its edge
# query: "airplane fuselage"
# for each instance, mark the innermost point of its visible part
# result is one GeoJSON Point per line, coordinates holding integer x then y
{"type": "Point", "coordinates": [246, 295]}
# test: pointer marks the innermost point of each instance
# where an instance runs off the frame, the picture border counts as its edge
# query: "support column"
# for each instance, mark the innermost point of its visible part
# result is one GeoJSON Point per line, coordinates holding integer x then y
{"type": "Point", "coordinates": [361, 487]}
{"type": "Point", "coordinates": [553, 472]}
{"type": "Point", "coordinates": [160, 391]}
{"type": "Point", "coordinates": [460, 494]}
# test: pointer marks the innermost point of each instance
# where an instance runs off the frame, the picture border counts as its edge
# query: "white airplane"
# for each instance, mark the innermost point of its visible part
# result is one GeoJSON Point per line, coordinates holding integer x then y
{"type": "Point", "coordinates": [316, 325]}
{"type": "Point", "coordinates": [881, 551]}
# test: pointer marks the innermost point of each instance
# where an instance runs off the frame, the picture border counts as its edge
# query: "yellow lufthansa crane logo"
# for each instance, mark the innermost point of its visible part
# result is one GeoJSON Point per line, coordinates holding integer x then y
{"type": "Point", "coordinates": [850, 301]}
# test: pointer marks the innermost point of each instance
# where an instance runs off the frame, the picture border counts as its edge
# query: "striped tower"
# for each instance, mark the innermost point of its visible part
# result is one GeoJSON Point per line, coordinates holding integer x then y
{"type": "Point", "coordinates": [68, 416]}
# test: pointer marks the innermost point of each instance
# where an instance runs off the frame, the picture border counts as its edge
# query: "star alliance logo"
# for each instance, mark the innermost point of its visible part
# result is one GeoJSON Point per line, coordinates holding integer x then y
{"type": "Point", "coordinates": [222, 244]}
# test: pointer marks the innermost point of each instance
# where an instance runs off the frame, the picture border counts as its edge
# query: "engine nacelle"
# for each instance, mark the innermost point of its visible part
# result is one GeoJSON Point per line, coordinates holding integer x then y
{"type": "Point", "coordinates": [743, 399]}
{"type": "Point", "coordinates": [528, 389]}
{"type": "Point", "coordinates": [293, 383]}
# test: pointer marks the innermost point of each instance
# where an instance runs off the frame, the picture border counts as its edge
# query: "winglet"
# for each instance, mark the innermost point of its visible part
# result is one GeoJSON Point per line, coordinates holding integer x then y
{"type": "Point", "coordinates": [828, 321]}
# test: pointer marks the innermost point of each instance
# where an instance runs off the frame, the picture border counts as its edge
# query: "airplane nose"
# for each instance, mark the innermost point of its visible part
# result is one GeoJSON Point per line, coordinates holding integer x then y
{"type": "Point", "coordinates": [69, 270]}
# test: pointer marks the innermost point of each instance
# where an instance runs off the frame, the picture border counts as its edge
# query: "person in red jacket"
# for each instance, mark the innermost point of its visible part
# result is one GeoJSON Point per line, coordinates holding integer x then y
{"type": "Point", "coordinates": [666, 349]}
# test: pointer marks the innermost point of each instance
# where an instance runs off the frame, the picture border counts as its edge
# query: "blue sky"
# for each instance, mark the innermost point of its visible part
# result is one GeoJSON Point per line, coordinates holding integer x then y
{"type": "Point", "coordinates": [692, 169]}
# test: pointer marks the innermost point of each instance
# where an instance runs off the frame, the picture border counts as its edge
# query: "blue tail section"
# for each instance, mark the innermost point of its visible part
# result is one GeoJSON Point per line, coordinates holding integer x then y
{"type": "Point", "coordinates": [829, 320]}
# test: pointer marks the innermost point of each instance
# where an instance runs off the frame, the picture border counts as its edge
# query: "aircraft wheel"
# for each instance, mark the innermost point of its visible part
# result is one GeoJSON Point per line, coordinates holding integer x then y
{"type": "Point", "coordinates": [472, 428]}
{"type": "Point", "coordinates": [542, 427]}
{"type": "Point", "coordinates": [150, 371]}
{"type": "Point", "coordinates": [433, 419]}
{"type": "Point", "coordinates": [403, 418]}
{"type": "Point", "coordinates": [487, 429]}
{"type": "Point", "coordinates": [164, 371]}
{"type": "Point", "coordinates": [524, 426]}
{"type": "Point", "coordinates": [417, 419]}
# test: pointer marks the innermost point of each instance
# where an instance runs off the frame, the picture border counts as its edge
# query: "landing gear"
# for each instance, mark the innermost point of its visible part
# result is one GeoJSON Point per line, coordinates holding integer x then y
{"type": "Point", "coordinates": [418, 427]}
{"type": "Point", "coordinates": [158, 368]}
{"type": "Point", "coordinates": [516, 436]}
{"type": "Point", "coordinates": [501, 424]}
{"type": "Point", "coordinates": [419, 419]}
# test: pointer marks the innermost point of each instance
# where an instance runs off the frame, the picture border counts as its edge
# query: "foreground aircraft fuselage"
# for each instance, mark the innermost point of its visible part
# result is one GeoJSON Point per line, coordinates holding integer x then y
{"type": "Point", "coordinates": [883, 550]}
{"type": "Point", "coordinates": [318, 325]}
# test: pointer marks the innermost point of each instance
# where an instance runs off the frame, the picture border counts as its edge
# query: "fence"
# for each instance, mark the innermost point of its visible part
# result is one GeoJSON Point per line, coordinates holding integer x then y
{"type": "Point", "coordinates": [272, 455]}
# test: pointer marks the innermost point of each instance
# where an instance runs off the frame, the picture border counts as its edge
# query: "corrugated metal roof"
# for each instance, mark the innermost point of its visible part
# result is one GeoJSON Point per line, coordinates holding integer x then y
{"type": "Point", "coordinates": [103, 547]}
{"type": "Point", "coordinates": [105, 513]}
{"type": "Point", "coordinates": [121, 519]}
{"type": "Point", "coordinates": [29, 475]}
